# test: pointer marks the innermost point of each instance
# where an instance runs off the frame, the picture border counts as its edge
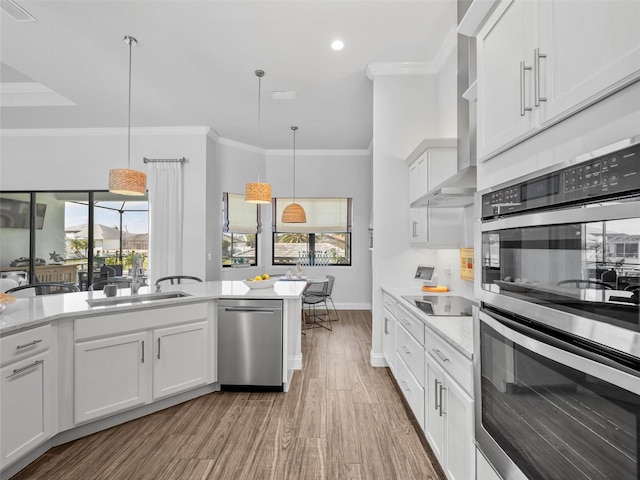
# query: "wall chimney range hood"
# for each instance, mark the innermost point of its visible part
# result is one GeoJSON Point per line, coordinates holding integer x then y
{"type": "Point", "coordinates": [456, 191]}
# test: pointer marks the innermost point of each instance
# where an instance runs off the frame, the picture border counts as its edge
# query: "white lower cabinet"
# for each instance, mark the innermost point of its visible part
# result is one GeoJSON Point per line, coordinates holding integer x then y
{"type": "Point", "coordinates": [449, 420]}
{"type": "Point", "coordinates": [111, 375]}
{"type": "Point", "coordinates": [389, 339]}
{"type": "Point", "coordinates": [27, 405]}
{"type": "Point", "coordinates": [180, 357]}
{"type": "Point", "coordinates": [131, 359]}
{"type": "Point", "coordinates": [411, 388]}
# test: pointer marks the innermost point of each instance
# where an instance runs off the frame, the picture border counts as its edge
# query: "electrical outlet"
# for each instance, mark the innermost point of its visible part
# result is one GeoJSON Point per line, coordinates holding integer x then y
{"type": "Point", "coordinates": [208, 256]}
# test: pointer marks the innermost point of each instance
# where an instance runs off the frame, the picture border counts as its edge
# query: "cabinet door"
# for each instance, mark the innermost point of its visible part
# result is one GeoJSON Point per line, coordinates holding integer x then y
{"type": "Point", "coordinates": [27, 406]}
{"type": "Point", "coordinates": [592, 48]}
{"type": "Point", "coordinates": [418, 177]}
{"type": "Point", "coordinates": [434, 411]}
{"type": "Point", "coordinates": [111, 375]}
{"type": "Point", "coordinates": [459, 434]}
{"type": "Point", "coordinates": [418, 225]}
{"type": "Point", "coordinates": [443, 163]}
{"type": "Point", "coordinates": [389, 339]}
{"type": "Point", "coordinates": [505, 52]}
{"type": "Point", "coordinates": [180, 357]}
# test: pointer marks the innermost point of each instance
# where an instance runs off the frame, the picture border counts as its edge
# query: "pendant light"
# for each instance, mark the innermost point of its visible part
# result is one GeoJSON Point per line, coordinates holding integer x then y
{"type": "Point", "coordinates": [124, 181]}
{"type": "Point", "coordinates": [294, 213]}
{"type": "Point", "coordinates": [258, 192]}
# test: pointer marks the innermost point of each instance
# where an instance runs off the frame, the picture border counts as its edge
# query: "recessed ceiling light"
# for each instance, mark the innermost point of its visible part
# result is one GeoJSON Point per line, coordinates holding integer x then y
{"type": "Point", "coordinates": [337, 45]}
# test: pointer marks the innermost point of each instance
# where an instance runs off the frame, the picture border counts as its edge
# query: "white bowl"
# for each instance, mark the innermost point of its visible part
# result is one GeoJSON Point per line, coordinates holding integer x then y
{"type": "Point", "coordinates": [257, 284]}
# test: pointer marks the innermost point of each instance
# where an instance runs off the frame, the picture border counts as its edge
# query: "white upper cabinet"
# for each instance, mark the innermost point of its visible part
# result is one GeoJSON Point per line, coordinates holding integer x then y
{"type": "Point", "coordinates": [540, 61]}
{"type": "Point", "coordinates": [432, 162]}
{"type": "Point", "coordinates": [504, 76]}
{"type": "Point", "coordinates": [592, 48]}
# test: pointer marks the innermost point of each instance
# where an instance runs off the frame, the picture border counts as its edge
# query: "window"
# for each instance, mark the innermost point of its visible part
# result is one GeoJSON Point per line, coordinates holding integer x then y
{"type": "Point", "coordinates": [324, 240]}
{"type": "Point", "coordinates": [66, 224]}
{"type": "Point", "coordinates": [240, 230]}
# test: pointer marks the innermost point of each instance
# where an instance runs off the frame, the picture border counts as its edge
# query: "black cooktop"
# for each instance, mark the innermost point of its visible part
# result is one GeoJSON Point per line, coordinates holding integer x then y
{"type": "Point", "coordinates": [450, 306]}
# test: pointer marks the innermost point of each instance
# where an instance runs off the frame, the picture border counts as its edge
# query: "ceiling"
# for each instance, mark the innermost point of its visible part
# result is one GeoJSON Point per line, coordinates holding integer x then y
{"type": "Point", "coordinates": [195, 60]}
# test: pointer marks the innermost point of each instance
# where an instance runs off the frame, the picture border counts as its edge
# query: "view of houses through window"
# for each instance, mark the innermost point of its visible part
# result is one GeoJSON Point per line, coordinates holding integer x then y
{"type": "Point", "coordinates": [119, 224]}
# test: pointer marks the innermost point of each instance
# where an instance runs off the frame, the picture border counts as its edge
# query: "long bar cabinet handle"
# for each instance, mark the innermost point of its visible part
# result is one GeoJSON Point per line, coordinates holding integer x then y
{"type": "Point", "coordinates": [442, 388]}
{"type": "Point", "coordinates": [523, 107]}
{"type": "Point", "coordinates": [435, 395]}
{"type": "Point", "coordinates": [158, 349]}
{"type": "Point", "coordinates": [142, 351]}
{"type": "Point", "coordinates": [16, 371]}
{"type": "Point", "coordinates": [30, 344]}
{"type": "Point", "coordinates": [406, 386]}
{"type": "Point", "coordinates": [536, 77]}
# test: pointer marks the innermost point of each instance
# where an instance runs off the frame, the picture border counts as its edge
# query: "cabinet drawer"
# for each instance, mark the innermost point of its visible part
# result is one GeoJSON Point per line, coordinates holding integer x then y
{"type": "Point", "coordinates": [25, 343]}
{"type": "Point", "coordinates": [414, 326]}
{"type": "Point", "coordinates": [411, 352]}
{"type": "Point", "coordinates": [130, 321]}
{"type": "Point", "coordinates": [452, 361]}
{"type": "Point", "coordinates": [389, 303]}
{"type": "Point", "coordinates": [411, 389]}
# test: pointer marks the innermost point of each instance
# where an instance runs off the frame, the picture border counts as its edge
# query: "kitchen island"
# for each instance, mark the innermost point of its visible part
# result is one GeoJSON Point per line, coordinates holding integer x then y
{"type": "Point", "coordinates": [70, 369]}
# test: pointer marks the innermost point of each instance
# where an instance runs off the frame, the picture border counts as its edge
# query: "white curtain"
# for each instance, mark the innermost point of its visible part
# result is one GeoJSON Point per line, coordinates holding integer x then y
{"type": "Point", "coordinates": [165, 186]}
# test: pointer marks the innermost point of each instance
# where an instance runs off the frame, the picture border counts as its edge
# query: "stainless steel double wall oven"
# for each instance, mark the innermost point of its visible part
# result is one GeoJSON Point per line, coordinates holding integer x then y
{"type": "Point", "coordinates": [557, 373]}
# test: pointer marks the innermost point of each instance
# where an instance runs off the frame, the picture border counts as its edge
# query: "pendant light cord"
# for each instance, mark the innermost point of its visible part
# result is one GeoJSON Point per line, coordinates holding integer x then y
{"type": "Point", "coordinates": [260, 74]}
{"type": "Point", "coordinates": [131, 41]}
{"type": "Point", "coordinates": [294, 163]}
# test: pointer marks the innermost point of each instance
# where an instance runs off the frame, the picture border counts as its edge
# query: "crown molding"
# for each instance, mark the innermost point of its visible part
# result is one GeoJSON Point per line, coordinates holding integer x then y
{"type": "Point", "coordinates": [319, 153]}
{"type": "Point", "coordinates": [432, 67]}
{"type": "Point", "coordinates": [112, 131]}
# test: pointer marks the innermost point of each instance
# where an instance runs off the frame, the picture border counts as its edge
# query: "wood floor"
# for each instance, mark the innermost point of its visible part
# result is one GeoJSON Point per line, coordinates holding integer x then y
{"type": "Point", "coordinates": [341, 419]}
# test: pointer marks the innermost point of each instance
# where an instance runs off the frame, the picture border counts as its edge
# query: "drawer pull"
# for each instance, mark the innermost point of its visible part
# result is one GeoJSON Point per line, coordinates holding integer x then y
{"type": "Point", "coordinates": [406, 386]}
{"type": "Point", "coordinates": [406, 350]}
{"type": "Point", "coordinates": [16, 371]}
{"type": "Point", "coordinates": [405, 321]}
{"type": "Point", "coordinates": [30, 344]}
{"type": "Point", "coordinates": [440, 355]}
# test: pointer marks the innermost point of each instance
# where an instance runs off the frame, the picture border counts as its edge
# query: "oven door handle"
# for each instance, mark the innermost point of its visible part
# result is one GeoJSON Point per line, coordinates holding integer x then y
{"type": "Point", "coordinates": [546, 345]}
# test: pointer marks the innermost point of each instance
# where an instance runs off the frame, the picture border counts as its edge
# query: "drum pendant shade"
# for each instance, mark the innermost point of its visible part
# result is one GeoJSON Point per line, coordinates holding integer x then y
{"type": "Point", "coordinates": [124, 181]}
{"type": "Point", "coordinates": [258, 192]}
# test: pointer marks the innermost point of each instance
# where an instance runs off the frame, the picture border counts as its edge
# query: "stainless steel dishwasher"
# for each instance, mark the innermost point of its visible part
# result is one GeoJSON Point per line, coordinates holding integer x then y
{"type": "Point", "coordinates": [249, 344]}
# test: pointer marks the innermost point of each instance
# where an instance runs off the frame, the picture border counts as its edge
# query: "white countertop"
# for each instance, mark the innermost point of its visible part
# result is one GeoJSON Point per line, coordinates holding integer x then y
{"type": "Point", "coordinates": [32, 311]}
{"type": "Point", "coordinates": [458, 331]}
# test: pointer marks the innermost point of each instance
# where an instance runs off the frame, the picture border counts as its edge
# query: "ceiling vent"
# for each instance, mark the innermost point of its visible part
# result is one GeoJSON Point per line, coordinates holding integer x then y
{"type": "Point", "coordinates": [289, 95]}
{"type": "Point", "coordinates": [16, 12]}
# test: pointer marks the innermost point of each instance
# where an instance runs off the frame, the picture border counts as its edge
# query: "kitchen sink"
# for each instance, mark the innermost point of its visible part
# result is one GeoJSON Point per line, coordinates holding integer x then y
{"type": "Point", "coordinates": [148, 297]}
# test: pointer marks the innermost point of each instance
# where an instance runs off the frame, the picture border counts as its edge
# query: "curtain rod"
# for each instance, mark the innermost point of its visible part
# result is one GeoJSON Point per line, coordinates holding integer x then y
{"type": "Point", "coordinates": [164, 160]}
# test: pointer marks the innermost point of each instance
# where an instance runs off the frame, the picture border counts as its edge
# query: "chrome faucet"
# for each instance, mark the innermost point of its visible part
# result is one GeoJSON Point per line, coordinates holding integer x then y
{"type": "Point", "coordinates": [136, 269]}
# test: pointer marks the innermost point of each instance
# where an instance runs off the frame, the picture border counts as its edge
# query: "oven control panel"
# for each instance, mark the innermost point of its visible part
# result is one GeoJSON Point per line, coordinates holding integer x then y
{"type": "Point", "coordinates": [611, 175]}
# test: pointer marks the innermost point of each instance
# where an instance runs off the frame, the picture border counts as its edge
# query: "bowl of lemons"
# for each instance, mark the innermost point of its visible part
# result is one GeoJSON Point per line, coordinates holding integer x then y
{"type": "Point", "coordinates": [260, 281]}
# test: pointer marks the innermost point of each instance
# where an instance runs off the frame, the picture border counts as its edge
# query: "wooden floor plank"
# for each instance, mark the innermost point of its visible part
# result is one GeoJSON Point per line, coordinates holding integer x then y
{"type": "Point", "coordinates": [340, 420]}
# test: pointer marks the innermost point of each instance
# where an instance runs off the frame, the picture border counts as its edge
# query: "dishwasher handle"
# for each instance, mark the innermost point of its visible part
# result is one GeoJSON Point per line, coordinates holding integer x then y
{"type": "Point", "coordinates": [250, 309]}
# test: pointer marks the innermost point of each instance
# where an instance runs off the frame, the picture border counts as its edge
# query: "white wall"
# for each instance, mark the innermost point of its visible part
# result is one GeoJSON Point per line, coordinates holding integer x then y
{"type": "Point", "coordinates": [406, 110]}
{"type": "Point", "coordinates": [319, 174]}
{"type": "Point", "coordinates": [80, 159]}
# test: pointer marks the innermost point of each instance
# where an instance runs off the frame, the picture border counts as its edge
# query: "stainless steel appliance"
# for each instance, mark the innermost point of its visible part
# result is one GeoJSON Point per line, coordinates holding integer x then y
{"type": "Point", "coordinates": [250, 344]}
{"type": "Point", "coordinates": [557, 365]}
{"type": "Point", "coordinates": [440, 305]}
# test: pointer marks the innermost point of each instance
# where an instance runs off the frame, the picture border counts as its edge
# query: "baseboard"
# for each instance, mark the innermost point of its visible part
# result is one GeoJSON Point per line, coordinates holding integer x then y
{"type": "Point", "coordinates": [377, 360]}
{"type": "Point", "coordinates": [353, 306]}
{"type": "Point", "coordinates": [296, 360]}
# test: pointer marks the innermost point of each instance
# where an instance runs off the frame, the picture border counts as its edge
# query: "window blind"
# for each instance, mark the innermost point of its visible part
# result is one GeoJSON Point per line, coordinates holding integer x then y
{"type": "Point", "coordinates": [324, 215]}
{"type": "Point", "coordinates": [239, 216]}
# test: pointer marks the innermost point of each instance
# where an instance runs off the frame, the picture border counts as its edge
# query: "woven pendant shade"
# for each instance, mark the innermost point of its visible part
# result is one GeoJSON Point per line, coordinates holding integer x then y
{"type": "Point", "coordinates": [294, 213]}
{"type": "Point", "coordinates": [123, 181]}
{"type": "Point", "coordinates": [257, 192]}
